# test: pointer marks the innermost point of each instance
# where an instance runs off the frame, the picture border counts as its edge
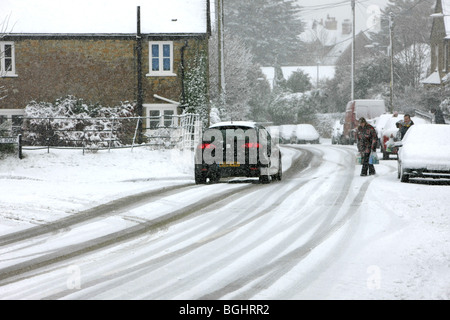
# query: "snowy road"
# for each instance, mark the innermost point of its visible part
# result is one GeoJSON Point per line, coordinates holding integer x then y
{"type": "Point", "coordinates": [298, 238]}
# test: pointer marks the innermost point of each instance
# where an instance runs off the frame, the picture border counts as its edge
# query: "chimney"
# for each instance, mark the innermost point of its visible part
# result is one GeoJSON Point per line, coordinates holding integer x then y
{"type": "Point", "coordinates": [346, 27]}
{"type": "Point", "coordinates": [330, 23]}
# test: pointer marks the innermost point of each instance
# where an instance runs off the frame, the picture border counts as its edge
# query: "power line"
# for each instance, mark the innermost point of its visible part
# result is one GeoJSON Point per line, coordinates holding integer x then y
{"type": "Point", "coordinates": [320, 7]}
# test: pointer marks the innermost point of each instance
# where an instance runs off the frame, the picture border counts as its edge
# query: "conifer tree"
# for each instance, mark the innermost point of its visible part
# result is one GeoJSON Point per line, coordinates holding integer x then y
{"type": "Point", "coordinates": [270, 28]}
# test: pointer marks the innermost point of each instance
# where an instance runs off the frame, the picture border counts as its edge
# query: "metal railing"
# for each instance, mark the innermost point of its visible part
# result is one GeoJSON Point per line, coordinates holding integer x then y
{"type": "Point", "coordinates": [428, 116]}
{"type": "Point", "coordinates": [164, 131]}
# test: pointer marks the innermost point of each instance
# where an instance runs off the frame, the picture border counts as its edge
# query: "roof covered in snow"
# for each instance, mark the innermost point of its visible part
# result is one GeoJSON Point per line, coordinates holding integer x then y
{"type": "Point", "coordinates": [248, 124]}
{"type": "Point", "coordinates": [433, 78]}
{"type": "Point", "coordinates": [104, 16]}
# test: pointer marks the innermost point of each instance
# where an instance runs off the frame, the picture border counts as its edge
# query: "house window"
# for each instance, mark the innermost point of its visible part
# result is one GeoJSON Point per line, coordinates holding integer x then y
{"type": "Point", "coordinates": [168, 117]}
{"type": "Point", "coordinates": [161, 59]}
{"type": "Point", "coordinates": [7, 59]}
{"type": "Point", "coordinates": [154, 119]}
{"type": "Point", "coordinates": [11, 121]}
{"type": "Point", "coordinates": [3, 125]}
{"type": "Point", "coordinates": [160, 115]}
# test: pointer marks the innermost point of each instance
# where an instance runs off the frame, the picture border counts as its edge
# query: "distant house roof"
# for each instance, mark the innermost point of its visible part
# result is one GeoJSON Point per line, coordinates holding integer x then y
{"type": "Point", "coordinates": [335, 41]}
{"type": "Point", "coordinates": [433, 78]}
{"type": "Point", "coordinates": [104, 16]}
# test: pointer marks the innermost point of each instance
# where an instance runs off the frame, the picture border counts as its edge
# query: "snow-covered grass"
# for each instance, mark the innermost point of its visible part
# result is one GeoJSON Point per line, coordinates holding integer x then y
{"type": "Point", "coordinates": [46, 186]}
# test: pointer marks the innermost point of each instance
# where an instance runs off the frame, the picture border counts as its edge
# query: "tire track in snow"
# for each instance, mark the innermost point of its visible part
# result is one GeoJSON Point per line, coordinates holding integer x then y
{"type": "Point", "coordinates": [86, 215]}
{"type": "Point", "coordinates": [280, 267]}
{"type": "Point", "coordinates": [143, 269]}
{"type": "Point", "coordinates": [262, 278]}
{"type": "Point", "coordinates": [72, 251]}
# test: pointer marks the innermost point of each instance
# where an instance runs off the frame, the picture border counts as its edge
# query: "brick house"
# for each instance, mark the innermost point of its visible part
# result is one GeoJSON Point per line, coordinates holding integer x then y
{"type": "Point", "coordinates": [102, 67]}
{"type": "Point", "coordinates": [440, 45]}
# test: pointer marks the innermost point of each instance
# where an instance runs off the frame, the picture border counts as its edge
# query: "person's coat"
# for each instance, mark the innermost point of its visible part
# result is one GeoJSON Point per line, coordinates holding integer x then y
{"type": "Point", "coordinates": [439, 117]}
{"type": "Point", "coordinates": [405, 127]}
{"type": "Point", "coordinates": [367, 138]}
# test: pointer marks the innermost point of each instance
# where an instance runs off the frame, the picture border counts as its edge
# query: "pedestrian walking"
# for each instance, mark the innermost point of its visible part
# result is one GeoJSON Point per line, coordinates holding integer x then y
{"type": "Point", "coordinates": [367, 142]}
{"type": "Point", "coordinates": [438, 116]}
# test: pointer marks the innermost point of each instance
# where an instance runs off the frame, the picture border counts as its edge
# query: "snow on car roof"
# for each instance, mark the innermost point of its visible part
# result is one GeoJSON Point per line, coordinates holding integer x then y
{"type": "Point", "coordinates": [426, 146]}
{"type": "Point", "coordinates": [306, 131]}
{"type": "Point", "coordinates": [428, 134]}
{"type": "Point", "coordinates": [249, 124]}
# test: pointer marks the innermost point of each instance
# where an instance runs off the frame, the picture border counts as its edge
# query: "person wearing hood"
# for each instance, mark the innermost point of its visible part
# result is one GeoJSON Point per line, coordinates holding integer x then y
{"type": "Point", "coordinates": [367, 142]}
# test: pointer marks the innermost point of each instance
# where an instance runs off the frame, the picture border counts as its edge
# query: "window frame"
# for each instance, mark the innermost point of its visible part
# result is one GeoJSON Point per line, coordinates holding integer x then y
{"type": "Point", "coordinates": [3, 72]}
{"type": "Point", "coordinates": [10, 116]}
{"type": "Point", "coordinates": [161, 71]}
{"type": "Point", "coordinates": [164, 118]}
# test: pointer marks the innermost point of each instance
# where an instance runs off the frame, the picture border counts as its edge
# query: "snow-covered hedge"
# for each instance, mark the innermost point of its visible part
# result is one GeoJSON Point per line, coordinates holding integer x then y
{"type": "Point", "coordinates": [291, 108]}
{"type": "Point", "coordinates": [72, 122]}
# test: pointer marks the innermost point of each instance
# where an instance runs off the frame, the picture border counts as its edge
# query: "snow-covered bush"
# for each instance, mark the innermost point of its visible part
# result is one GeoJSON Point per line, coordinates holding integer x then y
{"type": "Point", "coordinates": [292, 108]}
{"type": "Point", "coordinates": [72, 122]}
{"type": "Point", "coordinates": [445, 106]}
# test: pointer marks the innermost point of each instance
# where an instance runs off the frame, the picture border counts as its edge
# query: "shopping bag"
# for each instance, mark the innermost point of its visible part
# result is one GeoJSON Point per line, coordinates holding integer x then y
{"type": "Point", "coordinates": [373, 158]}
{"type": "Point", "coordinates": [390, 144]}
{"type": "Point", "coordinates": [358, 158]}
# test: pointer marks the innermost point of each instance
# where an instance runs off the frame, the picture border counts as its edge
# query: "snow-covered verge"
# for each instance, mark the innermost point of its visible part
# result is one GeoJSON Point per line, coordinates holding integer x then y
{"type": "Point", "coordinates": [46, 186]}
{"type": "Point", "coordinates": [398, 246]}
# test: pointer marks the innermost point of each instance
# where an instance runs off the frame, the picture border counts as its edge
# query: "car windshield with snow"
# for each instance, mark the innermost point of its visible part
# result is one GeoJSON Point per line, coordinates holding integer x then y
{"type": "Point", "coordinates": [425, 152]}
{"type": "Point", "coordinates": [237, 149]}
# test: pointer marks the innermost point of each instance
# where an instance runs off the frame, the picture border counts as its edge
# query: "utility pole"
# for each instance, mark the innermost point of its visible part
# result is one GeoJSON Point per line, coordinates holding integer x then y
{"type": "Point", "coordinates": [139, 101]}
{"type": "Point", "coordinates": [391, 49]}
{"type": "Point", "coordinates": [220, 43]}
{"type": "Point", "coordinates": [353, 51]}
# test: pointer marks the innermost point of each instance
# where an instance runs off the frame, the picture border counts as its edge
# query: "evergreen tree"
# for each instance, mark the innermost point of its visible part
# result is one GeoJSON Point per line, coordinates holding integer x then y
{"type": "Point", "coordinates": [269, 27]}
{"type": "Point", "coordinates": [299, 82]}
{"type": "Point", "coordinates": [412, 23]}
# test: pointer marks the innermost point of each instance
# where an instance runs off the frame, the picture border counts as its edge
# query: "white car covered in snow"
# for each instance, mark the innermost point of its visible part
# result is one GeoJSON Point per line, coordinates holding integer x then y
{"type": "Point", "coordinates": [287, 133]}
{"type": "Point", "coordinates": [389, 134]}
{"type": "Point", "coordinates": [425, 152]}
{"type": "Point", "coordinates": [306, 133]}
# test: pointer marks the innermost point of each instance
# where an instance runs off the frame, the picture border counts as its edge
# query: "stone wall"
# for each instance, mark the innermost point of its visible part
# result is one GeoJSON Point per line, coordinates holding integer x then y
{"type": "Point", "coordinates": [97, 69]}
